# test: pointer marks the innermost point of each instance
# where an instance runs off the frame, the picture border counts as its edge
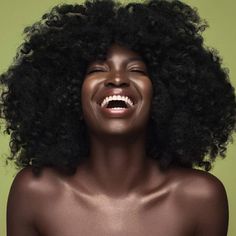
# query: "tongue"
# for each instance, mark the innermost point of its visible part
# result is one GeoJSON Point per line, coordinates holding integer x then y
{"type": "Point", "coordinates": [113, 104]}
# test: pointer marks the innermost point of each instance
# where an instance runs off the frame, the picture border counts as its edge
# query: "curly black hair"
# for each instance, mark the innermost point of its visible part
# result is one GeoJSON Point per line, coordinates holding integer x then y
{"type": "Point", "coordinates": [194, 109]}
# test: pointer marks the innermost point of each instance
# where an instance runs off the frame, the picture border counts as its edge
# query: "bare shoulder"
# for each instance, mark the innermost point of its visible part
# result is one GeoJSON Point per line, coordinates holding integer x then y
{"type": "Point", "coordinates": [27, 196]}
{"type": "Point", "coordinates": [203, 196]}
{"type": "Point", "coordinates": [198, 184]}
{"type": "Point", "coordinates": [26, 182]}
{"type": "Point", "coordinates": [28, 190]}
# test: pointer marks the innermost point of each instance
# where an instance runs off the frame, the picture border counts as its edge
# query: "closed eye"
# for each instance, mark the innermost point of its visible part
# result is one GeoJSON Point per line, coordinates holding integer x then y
{"type": "Point", "coordinates": [94, 70]}
{"type": "Point", "coordinates": [138, 71]}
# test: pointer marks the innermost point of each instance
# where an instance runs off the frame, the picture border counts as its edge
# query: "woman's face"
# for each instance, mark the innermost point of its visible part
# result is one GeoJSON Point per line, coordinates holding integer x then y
{"type": "Point", "coordinates": [117, 93]}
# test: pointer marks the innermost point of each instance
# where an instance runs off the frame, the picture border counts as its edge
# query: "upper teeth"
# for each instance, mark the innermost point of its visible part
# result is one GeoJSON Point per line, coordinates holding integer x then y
{"type": "Point", "coordinates": [116, 98]}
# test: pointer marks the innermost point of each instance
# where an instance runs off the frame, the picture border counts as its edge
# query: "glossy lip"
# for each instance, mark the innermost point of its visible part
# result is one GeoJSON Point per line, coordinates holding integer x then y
{"type": "Point", "coordinates": [117, 113]}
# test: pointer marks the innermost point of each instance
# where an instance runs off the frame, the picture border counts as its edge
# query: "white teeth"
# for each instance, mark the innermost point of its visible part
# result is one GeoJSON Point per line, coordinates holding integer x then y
{"type": "Point", "coordinates": [116, 98]}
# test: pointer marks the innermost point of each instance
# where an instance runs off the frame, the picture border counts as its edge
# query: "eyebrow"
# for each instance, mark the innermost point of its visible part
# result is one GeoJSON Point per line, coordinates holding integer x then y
{"type": "Point", "coordinates": [134, 59]}
{"type": "Point", "coordinates": [131, 59]}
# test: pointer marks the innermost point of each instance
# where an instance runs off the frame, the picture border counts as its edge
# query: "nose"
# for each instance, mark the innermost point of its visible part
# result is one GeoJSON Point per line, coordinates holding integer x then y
{"type": "Point", "coordinates": [117, 79]}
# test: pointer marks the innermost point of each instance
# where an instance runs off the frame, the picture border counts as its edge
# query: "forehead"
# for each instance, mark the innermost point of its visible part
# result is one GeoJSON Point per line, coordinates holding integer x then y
{"type": "Point", "coordinates": [119, 53]}
{"type": "Point", "coordinates": [116, 49]}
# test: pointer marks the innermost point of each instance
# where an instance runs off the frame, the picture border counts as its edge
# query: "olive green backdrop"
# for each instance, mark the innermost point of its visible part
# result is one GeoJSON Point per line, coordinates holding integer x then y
{"type": "Point", "coordinates": [16, 14]}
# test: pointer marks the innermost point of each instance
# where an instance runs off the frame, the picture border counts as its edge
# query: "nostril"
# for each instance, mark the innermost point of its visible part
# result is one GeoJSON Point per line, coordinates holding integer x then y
{"type": "Point", "coordinates": [117, 80]}
{"type": "Point", "coordinates": [114, 84]}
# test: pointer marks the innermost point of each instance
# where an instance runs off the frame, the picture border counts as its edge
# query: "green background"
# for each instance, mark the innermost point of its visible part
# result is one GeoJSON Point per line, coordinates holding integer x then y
{"type": "Point", "coordinates": [15, 15]}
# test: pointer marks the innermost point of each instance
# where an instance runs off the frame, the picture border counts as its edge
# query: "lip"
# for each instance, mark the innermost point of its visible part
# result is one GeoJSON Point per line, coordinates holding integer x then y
{"type": "Point", "coordinates": [117, 91]}
{"type": "Point", "coordinates": [116, 113]}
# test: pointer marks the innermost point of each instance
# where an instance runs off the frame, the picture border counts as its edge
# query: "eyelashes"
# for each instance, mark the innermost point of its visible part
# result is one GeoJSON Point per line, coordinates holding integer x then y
{"type": "Point", "coordinates": [138, 71]}
{"type": "Point", "coordinates": [98, 70]}
{"type": "Point", "coordinates": [95, 70]}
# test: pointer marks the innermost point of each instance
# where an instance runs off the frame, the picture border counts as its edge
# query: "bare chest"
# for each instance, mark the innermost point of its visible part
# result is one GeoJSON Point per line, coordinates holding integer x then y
{"type": "Point", "coordinates": [75, 215]}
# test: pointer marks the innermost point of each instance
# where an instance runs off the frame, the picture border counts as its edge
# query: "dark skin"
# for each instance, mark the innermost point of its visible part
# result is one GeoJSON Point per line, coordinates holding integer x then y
{"type": "Point", "coordinates": [118, 190]}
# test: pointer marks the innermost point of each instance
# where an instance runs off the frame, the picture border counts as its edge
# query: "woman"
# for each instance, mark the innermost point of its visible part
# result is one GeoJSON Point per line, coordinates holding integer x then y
{"type": "Point", "coordinates": [110, 109]}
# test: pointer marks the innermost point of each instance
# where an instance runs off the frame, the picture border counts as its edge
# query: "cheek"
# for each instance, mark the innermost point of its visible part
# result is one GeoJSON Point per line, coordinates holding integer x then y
{"type": "Point", "coordinates": [88, 91]}
{"type": "Point", "coordinates": [146, 89]}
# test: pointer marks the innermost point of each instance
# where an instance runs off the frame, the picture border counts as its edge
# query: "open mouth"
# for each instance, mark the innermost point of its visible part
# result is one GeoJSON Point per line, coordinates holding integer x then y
{"type": "Point", "coordinates": [117, 102]}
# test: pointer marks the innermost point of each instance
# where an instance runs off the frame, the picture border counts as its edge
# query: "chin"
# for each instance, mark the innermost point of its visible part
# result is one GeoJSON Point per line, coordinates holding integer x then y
{"type": "Point", "coordinates": [121, 129]}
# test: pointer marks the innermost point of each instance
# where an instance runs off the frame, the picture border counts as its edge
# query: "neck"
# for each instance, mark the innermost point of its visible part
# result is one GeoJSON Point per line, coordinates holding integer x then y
{"type": "Point", "coordinates": [118, 165]}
